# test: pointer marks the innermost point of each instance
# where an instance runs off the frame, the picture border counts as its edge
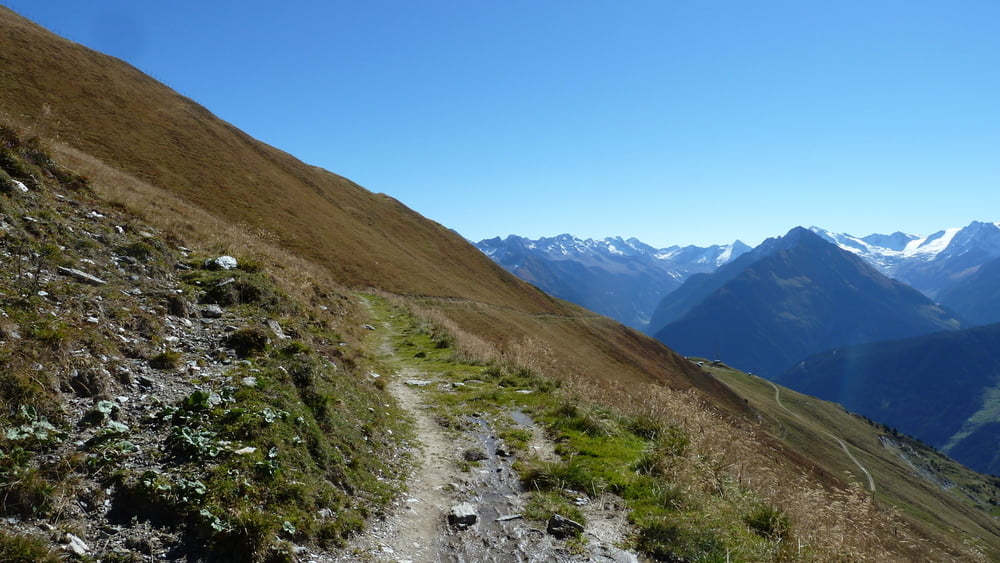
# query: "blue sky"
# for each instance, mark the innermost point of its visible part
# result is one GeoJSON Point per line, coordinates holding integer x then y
{"type": "Point", "coordinates": [677, 122]}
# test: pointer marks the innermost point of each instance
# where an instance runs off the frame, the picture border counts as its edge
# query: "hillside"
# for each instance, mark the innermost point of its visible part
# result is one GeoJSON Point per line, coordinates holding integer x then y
{"type": "Point", "coordinates": [180, 152]}
{"type": "Point", "coordinates": [977, 296]}
{"type": "Point", "coordinates": [800, 296]}
{"type": "Point", "coordinates": [941, 388]}
{"type": "Point", "coordinates": [224, 440]}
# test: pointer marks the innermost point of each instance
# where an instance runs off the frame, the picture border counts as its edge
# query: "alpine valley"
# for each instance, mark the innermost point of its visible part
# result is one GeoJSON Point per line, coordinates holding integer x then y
{"type": "Point", "coordinates": [797, 296]}
{"type": "Point", "coordinates": [212, 351]}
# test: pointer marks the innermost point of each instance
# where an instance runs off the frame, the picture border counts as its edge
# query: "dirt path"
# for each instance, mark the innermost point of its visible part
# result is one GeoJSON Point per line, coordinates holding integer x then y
{"type": "Point", "coordinates": [418, 522]}
{"type": "Point", "coordinates": [843, 445]}
{"type": "Point", "coordinates": [418, 527]}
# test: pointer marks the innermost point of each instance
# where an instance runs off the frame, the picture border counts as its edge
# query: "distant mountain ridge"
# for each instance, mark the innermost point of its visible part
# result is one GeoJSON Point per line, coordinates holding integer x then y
{"type": "Point", "coordinates": [620, 278]}
{"type": "Point", "coordinates": [931, 263]}
{"type": "Point", "coordinates": [791, 297]}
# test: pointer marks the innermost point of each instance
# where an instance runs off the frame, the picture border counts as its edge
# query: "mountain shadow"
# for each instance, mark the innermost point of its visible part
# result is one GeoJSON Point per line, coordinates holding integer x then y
{"type": "Point", "coordinates": [976, 297]}
{"type": "Point", "coordinates": [942, 388]}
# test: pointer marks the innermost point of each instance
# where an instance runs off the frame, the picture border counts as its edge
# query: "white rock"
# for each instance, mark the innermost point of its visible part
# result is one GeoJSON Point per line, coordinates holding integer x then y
{"type": "Point", "coordinates": [76, 545]}
{"type": "Point", "coordinates": [222, 263]}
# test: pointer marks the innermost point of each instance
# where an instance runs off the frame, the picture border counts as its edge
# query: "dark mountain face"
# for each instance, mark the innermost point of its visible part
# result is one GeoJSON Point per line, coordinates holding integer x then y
{"type": "Point", "coordinates": [977, 297]}
{"type": "Point", "coordinates": [700, 286]}
{"type": "Point", "coordinates": [621, 279]}
{"type": "Point", "coordinates": [793, 297]}
{"type": "Point", "coordinates": [943, 388]}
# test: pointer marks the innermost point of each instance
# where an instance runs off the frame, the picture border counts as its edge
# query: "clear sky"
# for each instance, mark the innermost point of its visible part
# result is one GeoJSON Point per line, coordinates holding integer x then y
{"type": "Point", "coordinates": [677, 122]}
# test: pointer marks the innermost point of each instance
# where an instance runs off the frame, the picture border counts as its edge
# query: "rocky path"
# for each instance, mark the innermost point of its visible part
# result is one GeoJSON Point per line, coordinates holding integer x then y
{"type": "Point", "coordinates": [464, 501]}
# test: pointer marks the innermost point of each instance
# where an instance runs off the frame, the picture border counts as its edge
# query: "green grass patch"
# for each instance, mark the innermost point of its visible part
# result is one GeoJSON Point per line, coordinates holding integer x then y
{"type": "Point", "coordinates": [16, 548]}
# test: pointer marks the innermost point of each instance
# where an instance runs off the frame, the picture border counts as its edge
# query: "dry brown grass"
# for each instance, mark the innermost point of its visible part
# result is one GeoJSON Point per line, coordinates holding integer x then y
{"type": "Point", "coordinates": [833, 520]}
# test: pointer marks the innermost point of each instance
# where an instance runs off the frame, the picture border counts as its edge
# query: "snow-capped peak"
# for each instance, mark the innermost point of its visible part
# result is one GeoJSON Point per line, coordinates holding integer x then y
{"type": "Point", "coordinates": [931, 245]}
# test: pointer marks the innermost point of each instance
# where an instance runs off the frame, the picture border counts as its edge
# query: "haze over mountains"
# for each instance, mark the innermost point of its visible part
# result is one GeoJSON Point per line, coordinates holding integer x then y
{"type": "Point", "coordinates": [943, 388]}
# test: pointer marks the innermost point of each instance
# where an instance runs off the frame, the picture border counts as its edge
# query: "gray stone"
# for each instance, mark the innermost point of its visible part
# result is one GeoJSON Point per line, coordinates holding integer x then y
{"type": "Point", "coordinates": [462, 516]}
{"type": "Point", "coordinates": [211, 311]}
{"type": "Point", "coordinates": [81, 276]}
{"type": "Point", "coordinates": [561, 527]}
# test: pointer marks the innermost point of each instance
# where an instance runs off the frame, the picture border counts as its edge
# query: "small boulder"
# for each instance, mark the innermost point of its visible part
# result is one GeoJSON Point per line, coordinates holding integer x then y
{"type": "Point", "coordinates": [81, 276]}
{"type": "Point", "coordinates": [561, 527]}
{"type": "Point", "coordinates": [211, 312]}
{"type": "Point", "coordinates": [462, 516]}
{"type": "Point", "coordinates": [221, 263]}
{"type": "Point", "coordinates": [474, 454]}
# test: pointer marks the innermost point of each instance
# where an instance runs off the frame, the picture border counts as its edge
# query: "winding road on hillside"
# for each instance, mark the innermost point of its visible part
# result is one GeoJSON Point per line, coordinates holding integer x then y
{"type": "Point", "coordinates": [843, 445]}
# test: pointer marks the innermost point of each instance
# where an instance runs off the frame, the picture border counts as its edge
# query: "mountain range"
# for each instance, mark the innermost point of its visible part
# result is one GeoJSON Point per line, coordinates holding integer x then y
{"type": "Point", "coordinates": [618, 278]}
{"type": "Point", "coordinates": [626, 279]}
{"type": "Point", "coordinates": [155, 403]}
{"type": "Point", "coordinates": [791, 297]}
{"type": "Point", "coordinates": [932, 263]}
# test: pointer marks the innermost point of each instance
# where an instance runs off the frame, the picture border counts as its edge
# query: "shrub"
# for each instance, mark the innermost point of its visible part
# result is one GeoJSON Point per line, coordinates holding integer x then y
{"type": "Point", "coordinates": [665, 452]}
{"type": "Point", "coordinates": [25, 549]}
{"type": "Point", "coordinates": [666, 540]}
{"type": "Point", "coordinates": [768, 522]}
{"type": "Point", "coordinates": [247, 538]}
{"type": "Point", "coordinates": [250, 341]}
{"type": "Point", "coordinates": [168, 359]}
{"type": "Point", "coordinates": [6, 183]}
{"type": "Point", "coordinates": [569, 417]}
{"type": "Point", "coordinates": [140, 250]}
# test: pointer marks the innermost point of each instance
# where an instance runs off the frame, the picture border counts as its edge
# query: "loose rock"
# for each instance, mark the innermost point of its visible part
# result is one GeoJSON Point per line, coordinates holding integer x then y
{"type": "Point", "coordinates": [221, 263]}
{"type": "Point", "coordinates": [211, 312]}
{"type": "Point", "coordinates": [462, 516]}
{"type": "Point", "coordinates": [76, 545]}
{"type": "Point", "coordinates": [561, 527]}
{"type": "Point", "coordinates": [81, 276]}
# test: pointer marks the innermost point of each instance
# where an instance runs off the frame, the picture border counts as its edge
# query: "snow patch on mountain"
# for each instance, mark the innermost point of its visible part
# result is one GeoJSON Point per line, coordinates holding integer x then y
{"type": "Point", "coordinates": [902, 255]}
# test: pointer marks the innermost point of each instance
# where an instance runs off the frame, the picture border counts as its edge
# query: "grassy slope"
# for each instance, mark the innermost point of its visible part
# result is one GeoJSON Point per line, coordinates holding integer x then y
{"type": "Point", "coordinates": [114, 113]}
{"type": "Point", "coordinates": [155, 146]}
{"type": "Point", "coordinates": [805, 424]}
